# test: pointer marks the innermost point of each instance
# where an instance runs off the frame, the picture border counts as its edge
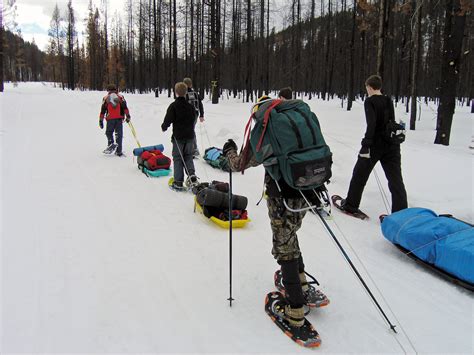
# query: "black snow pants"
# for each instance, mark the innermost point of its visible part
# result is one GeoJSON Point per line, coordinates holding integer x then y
{"type": "Point", "coordinates": [390, 159]}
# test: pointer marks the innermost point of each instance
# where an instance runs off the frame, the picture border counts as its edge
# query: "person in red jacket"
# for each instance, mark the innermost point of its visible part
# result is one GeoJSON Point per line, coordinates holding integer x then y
{"type": "Point", "coordinates": [114, 109]}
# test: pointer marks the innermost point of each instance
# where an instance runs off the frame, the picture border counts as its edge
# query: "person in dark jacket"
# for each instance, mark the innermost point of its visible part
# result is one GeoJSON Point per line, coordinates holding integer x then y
{"type": "Point", "coordinates": [284, 224]}
{"type": "Point", "coordinates": [193, 98]}
{"type": "Point", "coordinates": [378, 110]}
{"type": "Point", "coordinates": [181, 115]}
{"type": "Point", "coordinates": [113, 110]}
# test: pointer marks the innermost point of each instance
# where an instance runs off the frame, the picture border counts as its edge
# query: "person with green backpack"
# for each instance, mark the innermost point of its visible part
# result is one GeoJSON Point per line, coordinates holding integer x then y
{"type": "Point", "coordinates": [287, 140]}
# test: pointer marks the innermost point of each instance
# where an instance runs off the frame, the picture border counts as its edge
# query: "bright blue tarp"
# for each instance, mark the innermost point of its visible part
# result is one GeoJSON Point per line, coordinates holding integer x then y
{"type": "Point", "coordinates": [444, 242]}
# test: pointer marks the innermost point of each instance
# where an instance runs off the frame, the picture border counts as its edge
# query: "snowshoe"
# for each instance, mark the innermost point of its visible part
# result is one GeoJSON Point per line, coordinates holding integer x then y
{"type": "Point", "coordinates": [314, 298]}
{"type": "Point", "coordinates": [338, 201]}
{"type": "Point", "coordinates": [110, 149]}
{"type": "Point", "coordinates": [120, 154]}
{"type": "Point", "coordinates": [304, 335]}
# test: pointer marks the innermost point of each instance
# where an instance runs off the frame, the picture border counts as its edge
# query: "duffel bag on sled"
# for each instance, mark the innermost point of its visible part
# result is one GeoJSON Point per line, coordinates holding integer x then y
{"type": "Point", "coordinates": [215, 158]}
{"type": "Point", "coordinates": [154, 163]}
{"type": "Point", "coordinates": [212, 200]}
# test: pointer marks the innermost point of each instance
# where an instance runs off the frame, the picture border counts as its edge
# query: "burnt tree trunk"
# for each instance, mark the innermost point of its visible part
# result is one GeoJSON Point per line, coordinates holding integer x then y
{"type": "Point", "coordinates": [416, 63]}
{"type": "Point", "coordinates": [350, 93]}
{"type": "Point", "coordinates": [453, 36]}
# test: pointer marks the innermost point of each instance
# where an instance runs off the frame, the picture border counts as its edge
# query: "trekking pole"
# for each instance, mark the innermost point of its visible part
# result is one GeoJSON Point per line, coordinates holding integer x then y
{"type": "Point", "coordinates": [230, 299]}
{"type": "Point", "coordinates": [134, 133]}
{"type": "Point", "coordinates": [348, 259]}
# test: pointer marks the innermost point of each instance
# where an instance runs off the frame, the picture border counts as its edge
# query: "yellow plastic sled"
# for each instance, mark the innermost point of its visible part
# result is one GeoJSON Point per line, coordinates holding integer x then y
{"type": "Point", "coordinates": [236, 223]}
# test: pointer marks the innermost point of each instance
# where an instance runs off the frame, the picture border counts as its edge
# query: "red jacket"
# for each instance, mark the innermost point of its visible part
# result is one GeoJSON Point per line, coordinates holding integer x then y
{"type": "Point", "coordinates": [113, 107]}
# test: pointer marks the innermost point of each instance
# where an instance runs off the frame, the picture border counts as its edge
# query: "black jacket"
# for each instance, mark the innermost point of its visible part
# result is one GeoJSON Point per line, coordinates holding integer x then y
{"type": "Point", "coordinates": [181, 115]}
{"type": "Point", "coordinates": [378, 109]}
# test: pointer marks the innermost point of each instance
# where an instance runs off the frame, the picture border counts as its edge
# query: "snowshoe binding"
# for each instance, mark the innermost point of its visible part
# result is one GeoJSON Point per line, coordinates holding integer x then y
{"type": "Point", "coordinates": [314, 298]}
{"type": "Point", "coordinates": [291, 321]}
{"type": "Point", "coordinates": [191, 182]}
{"type": "Point", "coordinates": [110, 149]}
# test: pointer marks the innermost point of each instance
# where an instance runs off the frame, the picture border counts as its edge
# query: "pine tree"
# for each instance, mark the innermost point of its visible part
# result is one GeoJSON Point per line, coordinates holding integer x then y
{"type": "Point", "coordinates": [70, 41]}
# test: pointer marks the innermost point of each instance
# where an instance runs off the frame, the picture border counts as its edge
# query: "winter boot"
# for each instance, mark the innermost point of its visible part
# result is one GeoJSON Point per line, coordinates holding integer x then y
{"type": "Point", "coordinates": [348, 208]}
{"type": "Point", "coordinates": [294, 316]}
{"type": "Point", "coordinates": [313, 297]}
{"type": "Point", "coordinates": [110, 148]}
{"type": "Point", "coordinates": [177, 186]}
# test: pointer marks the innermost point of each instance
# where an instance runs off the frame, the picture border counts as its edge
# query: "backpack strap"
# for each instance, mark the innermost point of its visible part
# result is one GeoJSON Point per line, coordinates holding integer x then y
{"type": "Point", "coordinates": [246, 146]}
{"type": "Point", "coordinates": [246, 150]}
{"type": "Point", "coordinates": [308, 123]}
{"type": "Point", "coordinates": [274, 104]}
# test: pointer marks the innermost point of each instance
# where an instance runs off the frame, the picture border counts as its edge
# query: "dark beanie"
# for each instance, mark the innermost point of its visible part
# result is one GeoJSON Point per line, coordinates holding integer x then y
{"type": "Point", "coordinates": [286, 93]}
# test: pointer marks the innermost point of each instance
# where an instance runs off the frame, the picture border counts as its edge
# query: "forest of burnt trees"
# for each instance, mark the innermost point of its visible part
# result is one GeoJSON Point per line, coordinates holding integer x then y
{"type": "Point", "coordinates": [421, 48]}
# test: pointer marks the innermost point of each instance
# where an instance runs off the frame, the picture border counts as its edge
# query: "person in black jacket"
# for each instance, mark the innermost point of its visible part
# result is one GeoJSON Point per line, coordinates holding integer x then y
{"type": "Point", "coordinates": [181, 115]}
{"type": "Point", "coordinates": [193, 98]}
{"type": "Point", "coordinates": [375, 148]}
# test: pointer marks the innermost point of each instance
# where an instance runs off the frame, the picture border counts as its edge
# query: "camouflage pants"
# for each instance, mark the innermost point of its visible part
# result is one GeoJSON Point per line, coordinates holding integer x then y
{"type": "Point", "coordinates": [284, 225]}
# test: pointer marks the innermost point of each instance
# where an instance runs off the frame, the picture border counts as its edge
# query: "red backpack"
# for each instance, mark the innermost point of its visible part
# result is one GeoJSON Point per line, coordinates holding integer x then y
{"type": "Point", "coordinates": [153, 160]}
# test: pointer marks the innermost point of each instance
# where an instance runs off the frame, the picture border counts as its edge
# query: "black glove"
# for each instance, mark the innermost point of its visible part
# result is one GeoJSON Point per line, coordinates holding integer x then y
{"type": "Point", "coordinates": [128, 118]}
{"type": "Point", "coordinates": [228, 146]}
{"type": "Point", "coordinates": [365, 152]}
{"type": "Point", "coordinates": [101, 123]}
{"type": "Point", "coordinates": [163, 128]}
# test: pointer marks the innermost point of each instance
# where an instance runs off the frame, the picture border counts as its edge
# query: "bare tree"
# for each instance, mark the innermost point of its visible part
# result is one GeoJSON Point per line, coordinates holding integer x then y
{"type": "Point", "coordinates": [416, 61]}
{"type": "Point", "coordinates": [454, 26]}
{"type": "Point", "coordinates": [70, 41]}
{"type": "Point", "coordinates": [7, 19]}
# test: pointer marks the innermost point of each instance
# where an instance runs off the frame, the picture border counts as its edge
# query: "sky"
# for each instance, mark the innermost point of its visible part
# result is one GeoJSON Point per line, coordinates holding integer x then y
{"type": "Point", "coordinates": [33, 16]}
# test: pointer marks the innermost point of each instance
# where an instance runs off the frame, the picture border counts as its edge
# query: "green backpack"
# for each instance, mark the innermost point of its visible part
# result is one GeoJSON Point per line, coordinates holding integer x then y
{"type": "Point", "coordinates": [287, 140]}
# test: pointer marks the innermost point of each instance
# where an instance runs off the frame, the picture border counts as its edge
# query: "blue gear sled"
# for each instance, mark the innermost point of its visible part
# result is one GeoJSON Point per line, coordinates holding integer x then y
{"type": "Point", "coordinates": [443, 243]}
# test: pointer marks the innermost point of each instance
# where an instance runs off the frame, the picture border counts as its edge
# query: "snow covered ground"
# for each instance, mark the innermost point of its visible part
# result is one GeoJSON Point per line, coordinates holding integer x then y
{"type": "Point", "coordinates": [97, 258]}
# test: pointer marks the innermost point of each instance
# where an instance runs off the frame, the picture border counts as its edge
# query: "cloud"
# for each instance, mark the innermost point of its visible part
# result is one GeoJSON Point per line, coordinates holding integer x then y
{"type": "Point", "coordinates": [32, 28]}
{"type": "Point", "coordinates": [46, 7]}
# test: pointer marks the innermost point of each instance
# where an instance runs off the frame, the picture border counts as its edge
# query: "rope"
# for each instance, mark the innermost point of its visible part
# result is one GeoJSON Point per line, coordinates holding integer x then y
{"type": "Point", "coordinates": [382, 192]}
{"type": "Point", "coordinates": [203, 150]}
{"type": "Point", "coordinates": [205, 131]}
{"type": "Point", "coordinates": [134, 133]}
{"type": "Point", "coordinates": [378, 290]}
